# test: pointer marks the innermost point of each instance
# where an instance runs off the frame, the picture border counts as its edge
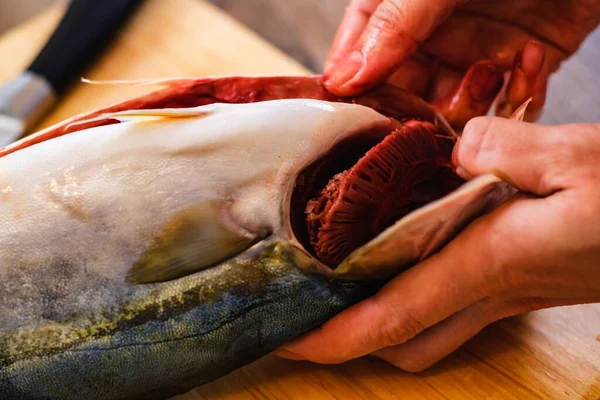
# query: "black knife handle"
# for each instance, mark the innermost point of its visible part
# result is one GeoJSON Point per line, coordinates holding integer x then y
{"type": "Point", "coordinates": [84, 31]}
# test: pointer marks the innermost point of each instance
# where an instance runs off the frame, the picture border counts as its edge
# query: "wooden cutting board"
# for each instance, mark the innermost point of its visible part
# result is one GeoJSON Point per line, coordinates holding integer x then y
{"type": "Point", "coordinates": [550, 354]}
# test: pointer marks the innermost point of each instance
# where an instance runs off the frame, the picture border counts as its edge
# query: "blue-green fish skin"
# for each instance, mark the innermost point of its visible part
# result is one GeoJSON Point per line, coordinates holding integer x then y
{"type": "Point", "coordinates": [189, 332]}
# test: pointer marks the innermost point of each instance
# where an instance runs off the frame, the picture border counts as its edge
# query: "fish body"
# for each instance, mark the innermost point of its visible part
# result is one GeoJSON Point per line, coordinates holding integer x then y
{"type": "Point", "coordinates": [167, 339]}
{"type": "Point", "coordinates": [149, 247]}
{"type": "Point", "coordinates": [77, 216]}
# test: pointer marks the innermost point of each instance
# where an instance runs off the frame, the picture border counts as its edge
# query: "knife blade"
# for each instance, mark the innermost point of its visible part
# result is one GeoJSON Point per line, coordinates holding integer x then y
{"type": "Point", "coordinates": [85, 30]}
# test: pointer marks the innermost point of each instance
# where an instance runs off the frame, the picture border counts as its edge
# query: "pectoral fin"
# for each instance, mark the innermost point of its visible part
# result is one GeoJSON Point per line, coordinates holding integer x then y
{"type": "Point", "coordinates": [195, 239]}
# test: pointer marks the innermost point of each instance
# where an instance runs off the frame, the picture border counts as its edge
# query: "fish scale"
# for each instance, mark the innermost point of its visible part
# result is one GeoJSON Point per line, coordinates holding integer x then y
{"type": "Point", "coordinates": [251, 305]}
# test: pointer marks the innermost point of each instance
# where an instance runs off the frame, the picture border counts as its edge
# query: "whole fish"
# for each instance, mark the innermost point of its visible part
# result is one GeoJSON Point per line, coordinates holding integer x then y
{"type": "Point", "coordinates": [154, 245]}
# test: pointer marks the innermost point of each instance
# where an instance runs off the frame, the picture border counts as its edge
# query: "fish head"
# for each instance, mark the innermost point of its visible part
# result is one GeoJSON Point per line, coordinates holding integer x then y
{"type": "Point", "coordinates": [163, 242]}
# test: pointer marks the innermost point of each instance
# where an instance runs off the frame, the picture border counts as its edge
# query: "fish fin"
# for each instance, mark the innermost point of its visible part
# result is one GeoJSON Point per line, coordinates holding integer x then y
{"type": "Point", "coordinates": [83, 122]}
{"type": "Point", "coordinates": [195, 239]}
{"type": "Point", "coordinates": [519, 113]}
{"type": "Point", "coordinates": [143, 115]}
{"type": "Point", "coordinates": [156, 114]}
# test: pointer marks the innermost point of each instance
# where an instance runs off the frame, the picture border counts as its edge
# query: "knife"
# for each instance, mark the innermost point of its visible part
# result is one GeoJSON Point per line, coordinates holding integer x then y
{"type": "Point", "coordinates": [85, 30]}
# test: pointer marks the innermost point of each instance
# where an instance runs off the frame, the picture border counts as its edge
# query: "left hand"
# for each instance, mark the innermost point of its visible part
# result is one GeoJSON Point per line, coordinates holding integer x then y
{"type": "Point", "coordinates": [538, 250]}
{"type": "Point", "coordinates": [428, 47]}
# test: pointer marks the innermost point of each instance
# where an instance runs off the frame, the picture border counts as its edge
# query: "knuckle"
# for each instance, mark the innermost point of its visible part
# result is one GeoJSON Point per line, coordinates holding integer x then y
{"type": "Point", "coordinates": [327, 350]}
{"type": "Point", "coordinates": [389, 17]}
{"type": "Point", "coordinates": [492, 309]}
{"type": "Point", "coordinates": [398, 329]}
{"type": "Point", "coordinates": [573, 144]}
{"type": "Point", "coordinates": [389, 12]}
{"type": "Point", "coordinates": [471, 142]}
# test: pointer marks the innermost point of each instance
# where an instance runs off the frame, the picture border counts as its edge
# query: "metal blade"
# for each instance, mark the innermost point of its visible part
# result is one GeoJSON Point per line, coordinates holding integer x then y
{"type": "Point", "coordinates": [23, 100]}
{"type": "Point", "coordinates": [11, 129]}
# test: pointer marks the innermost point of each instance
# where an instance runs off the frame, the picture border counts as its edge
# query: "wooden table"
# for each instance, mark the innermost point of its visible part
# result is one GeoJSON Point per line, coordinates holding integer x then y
{"type": "Point", "coordinates": [550, 354]}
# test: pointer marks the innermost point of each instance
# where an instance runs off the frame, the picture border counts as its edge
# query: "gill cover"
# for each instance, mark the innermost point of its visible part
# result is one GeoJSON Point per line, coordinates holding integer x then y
{"type": "Point", "coordinates": [426, 230]}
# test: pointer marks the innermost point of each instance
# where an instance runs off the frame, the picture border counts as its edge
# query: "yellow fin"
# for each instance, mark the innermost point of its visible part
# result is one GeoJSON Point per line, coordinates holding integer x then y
{"type": "Point", "coordinates": [145, 115]}
{"type": "Point", "coordinates": [149, 114]}
{"type": "Point", "coordinates": [195, 239]}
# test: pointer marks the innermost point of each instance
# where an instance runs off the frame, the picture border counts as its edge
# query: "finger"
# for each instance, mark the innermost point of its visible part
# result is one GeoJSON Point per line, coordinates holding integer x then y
{"type": "Point", "coordinates": [390, 37]}
{"type": "Point", "coordinates": [415, 75]}
{"type": "Point", "coordinates": [477, 264]}
{"type": "Point", "coordinates": [523, 154]}
{"type": "Point", "coordinates": [415, 300]}
{"type": "Point", "coordinates": [529, 79]}
{"type": "Point", "coordinates": [474, 96]}
{"type": "Point", "coordinates": [444, 338]}
{"type": "Point", "coordinates": [464, 39]}
{"type": "Point", "coordinates": [445, 83]}
{"type": "Point", "coordinates": [508, 263]}
{"type": "Point", "coordinates": [352, 26]}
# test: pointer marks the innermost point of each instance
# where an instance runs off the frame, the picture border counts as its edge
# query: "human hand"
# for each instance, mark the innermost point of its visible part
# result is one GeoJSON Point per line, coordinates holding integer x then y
{"type": "Point", "coordinates": [427, 46]}
{"type": "Point", "coordinates": [541, 249]}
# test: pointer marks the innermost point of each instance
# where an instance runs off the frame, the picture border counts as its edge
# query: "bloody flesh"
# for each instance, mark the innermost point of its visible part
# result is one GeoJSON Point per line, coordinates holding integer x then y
{"type": "Point", "coordinates": [409, 168]}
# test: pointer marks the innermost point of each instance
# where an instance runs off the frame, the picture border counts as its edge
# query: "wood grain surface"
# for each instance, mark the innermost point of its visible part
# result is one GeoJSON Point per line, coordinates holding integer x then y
{"type": "Point", "coordinates": [165, 39]}
{"type": "Point", "coordinates": [549, 354]}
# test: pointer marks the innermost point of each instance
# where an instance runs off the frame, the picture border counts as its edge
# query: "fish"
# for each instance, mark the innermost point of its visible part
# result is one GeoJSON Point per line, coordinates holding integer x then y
{"type": "Point", "coordinates": [159, 243]}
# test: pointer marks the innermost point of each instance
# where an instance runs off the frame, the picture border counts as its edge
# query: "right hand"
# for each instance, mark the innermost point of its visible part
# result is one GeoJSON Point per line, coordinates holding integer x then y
{"type": "Point", "coordinates": [427, 46]}
{"type": "Point", "coordinates": [540, 249]}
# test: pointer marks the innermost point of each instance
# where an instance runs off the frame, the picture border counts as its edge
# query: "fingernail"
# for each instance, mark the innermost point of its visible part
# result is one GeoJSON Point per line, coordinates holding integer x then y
{"type": "Point", "coordinates": [485, 81]}
{"type": "Point", "coordinates": [289, 355]}
{"type": "Point", "coordinates": [344, 70]}
{"type": "Point", "coordinates": [532, 58]}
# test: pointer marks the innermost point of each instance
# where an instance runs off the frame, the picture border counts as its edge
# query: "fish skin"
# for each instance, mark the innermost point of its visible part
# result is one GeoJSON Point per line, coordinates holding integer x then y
{"type": "Point", "coordinates": [79, 210]}
{"type": "Point", "coordinates": [386, 99]}
{"type": "Point", "coordinates": [80, 332]}
{"type": "Point", "coordinates": [184, 336]}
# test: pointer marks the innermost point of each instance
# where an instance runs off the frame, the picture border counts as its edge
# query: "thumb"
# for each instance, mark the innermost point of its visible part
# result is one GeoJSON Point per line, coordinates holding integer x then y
{"type": "Point", "coordinates": [391, 35]}
{"type": "Point", "coordinates": [528, 156]}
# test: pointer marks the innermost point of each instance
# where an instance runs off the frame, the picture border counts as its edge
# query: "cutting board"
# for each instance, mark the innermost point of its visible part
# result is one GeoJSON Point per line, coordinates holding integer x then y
{"type": "Point", "coordinates": [550, 354]}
